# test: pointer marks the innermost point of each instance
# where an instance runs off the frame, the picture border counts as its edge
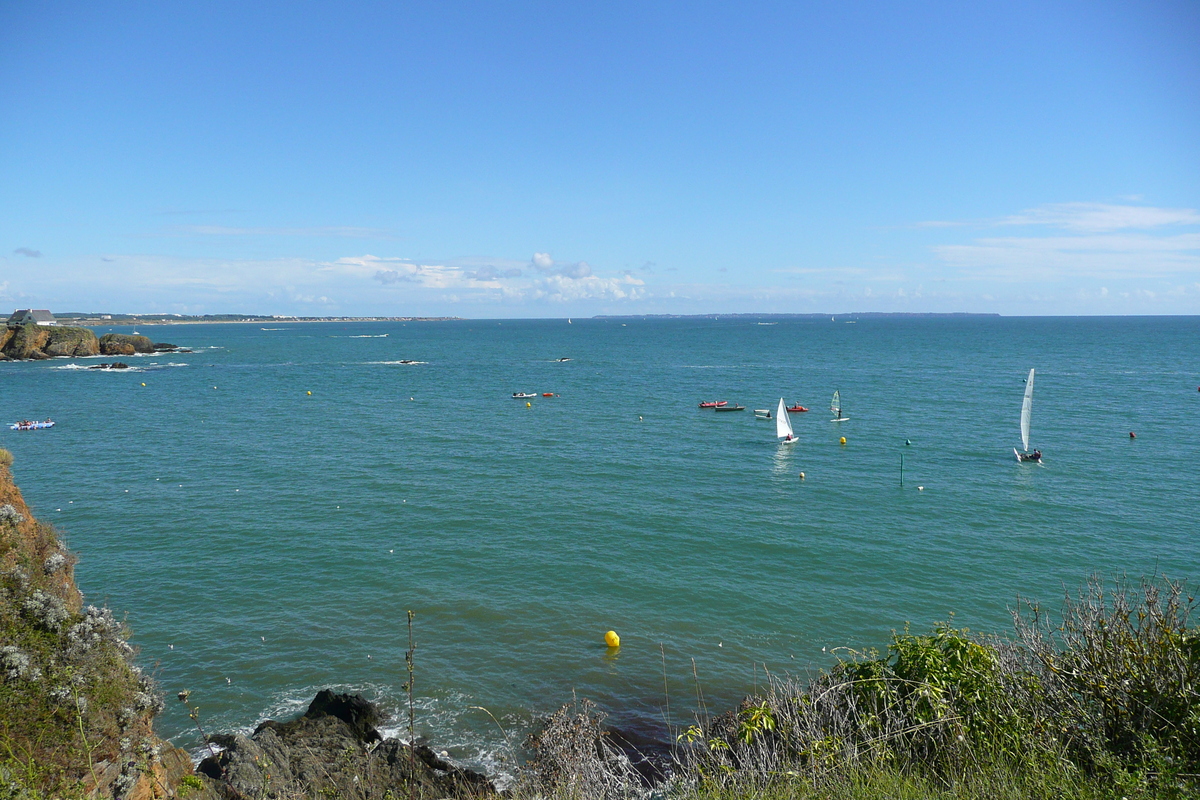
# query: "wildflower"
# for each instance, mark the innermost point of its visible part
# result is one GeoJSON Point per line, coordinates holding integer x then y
{"type": "Point", "coordinates": [17, 664]}
{"type": "Point", "coordinates": [11, 515]}
{"type": "Point", "coordinates": [46, 610]}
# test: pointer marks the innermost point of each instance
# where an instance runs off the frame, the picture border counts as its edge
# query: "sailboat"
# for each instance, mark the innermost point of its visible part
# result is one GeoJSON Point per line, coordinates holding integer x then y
{"type": "Point", "coordinates": [835, 405]}
{"type": "Point", "coordinates": [783, 425]}
{"type": "Point", "coordinates": [1026, 413]}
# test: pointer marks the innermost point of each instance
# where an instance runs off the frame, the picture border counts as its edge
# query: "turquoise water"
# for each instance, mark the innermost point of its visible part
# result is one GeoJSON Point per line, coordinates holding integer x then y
{"type": "Point", "coordinates": [266, 543]}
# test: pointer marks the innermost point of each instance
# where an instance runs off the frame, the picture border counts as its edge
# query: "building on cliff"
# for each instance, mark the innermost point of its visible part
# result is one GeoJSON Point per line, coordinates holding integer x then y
{"type": "Point", "coordinates": [31, 316]}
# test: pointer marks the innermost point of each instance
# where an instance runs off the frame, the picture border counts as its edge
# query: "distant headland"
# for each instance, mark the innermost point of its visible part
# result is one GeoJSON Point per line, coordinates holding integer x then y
{"type": "Point", "coordinates": [93, 319]}
{"type": "Point", "coordinates": [757, 315]}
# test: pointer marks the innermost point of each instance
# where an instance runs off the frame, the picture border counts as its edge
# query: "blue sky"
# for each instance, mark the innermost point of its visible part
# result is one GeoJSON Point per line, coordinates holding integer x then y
{"type": "Point", "coordinates": [550, 159]}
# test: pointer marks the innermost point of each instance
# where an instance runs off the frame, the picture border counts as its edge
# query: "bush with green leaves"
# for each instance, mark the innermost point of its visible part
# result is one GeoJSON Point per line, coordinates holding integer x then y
{"type": "Point", "coordinates": [1104, 694]}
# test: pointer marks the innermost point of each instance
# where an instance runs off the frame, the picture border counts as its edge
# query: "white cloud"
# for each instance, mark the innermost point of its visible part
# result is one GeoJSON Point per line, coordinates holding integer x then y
{"type": "Point", "coordinates": [1042, 258]}
{"type": "Point", "coordinates": [543, 261]}
{"type": "Point", "coordinates": [332, 231]}
{"type": "Point", "coordinates": [563, 288]}
{"type": "Point", "coordinates": [1102, 217]}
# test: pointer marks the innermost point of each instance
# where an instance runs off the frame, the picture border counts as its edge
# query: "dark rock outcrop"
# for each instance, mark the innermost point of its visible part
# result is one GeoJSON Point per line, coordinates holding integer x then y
{"type": "Point", "coordinates": [123, 344]}
{"type": "Point", "coordinates": [332, 750]}
{"type": "Point", "coordinates": [31, 342]}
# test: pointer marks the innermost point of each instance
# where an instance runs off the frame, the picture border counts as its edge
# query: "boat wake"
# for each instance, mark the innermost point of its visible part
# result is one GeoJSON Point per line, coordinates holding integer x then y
{"type": "Point", "coordinates": [402, 362]}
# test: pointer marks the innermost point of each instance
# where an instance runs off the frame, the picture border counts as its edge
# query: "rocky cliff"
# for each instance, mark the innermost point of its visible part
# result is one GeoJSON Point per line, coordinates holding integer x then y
{"type": "Point", "coordinates": [37, 342]}
{"type": "Point", "coordinates": [34, 342]}
{"type": "Point", "coordinates": [75, 711]}
{"type": "Point", "coordinates": [123, 344]}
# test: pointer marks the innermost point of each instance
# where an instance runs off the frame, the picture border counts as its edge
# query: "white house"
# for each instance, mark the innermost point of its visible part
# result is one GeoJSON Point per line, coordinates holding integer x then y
{"type": "Point", "coordinates": [31, 316]}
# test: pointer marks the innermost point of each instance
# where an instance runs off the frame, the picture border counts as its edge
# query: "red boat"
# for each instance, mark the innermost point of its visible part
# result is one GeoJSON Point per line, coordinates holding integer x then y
{"type": "Point", "coordinates": [549, 394]}
{"type": "Point", "coordinates": [716, 404]}
{"type": "Point", "coordinates": [796, 409]}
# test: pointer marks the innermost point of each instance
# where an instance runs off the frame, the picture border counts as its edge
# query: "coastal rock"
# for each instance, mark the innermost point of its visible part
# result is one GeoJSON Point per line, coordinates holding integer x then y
{"type": "Point", "coordinates": [33, 342]}
{"type": "Point", "coordinates": [332, 750]}
{"type": "Point", "coordinates": [123, 344]}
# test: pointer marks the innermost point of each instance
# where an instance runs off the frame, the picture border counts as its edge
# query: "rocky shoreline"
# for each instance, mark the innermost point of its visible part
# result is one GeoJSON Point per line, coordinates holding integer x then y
{"type": "Point", "coordinates": [36, 343]}
{"type": "Point", "coordinates": [332, 750]}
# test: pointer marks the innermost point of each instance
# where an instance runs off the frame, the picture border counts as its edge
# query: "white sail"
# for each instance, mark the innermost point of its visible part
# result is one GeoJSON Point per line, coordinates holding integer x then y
{"type": "Point", "coordinates": [1026, 411]}
{"type": "Point", "coordinates": [783, 425]}
{"type": "Point", "coordinates": [835, 405]}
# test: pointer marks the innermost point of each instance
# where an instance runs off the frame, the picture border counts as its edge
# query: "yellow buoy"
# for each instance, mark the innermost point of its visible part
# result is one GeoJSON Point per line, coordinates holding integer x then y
{"type": "Point", "coordinates": [611, 639]}
{"type": "Point", "coordinates": [529, 405]}
{"type": "Point", "coordinates": [842, 440]}
{"type": "Point", "coordinates": [143, 384]}
{"type": "Point", "coordinates": [801, 476]}
{"type": "Point", "coordinates": [310, 392]}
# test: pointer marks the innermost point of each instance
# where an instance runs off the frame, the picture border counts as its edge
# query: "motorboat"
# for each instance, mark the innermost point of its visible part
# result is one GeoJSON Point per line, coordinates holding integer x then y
{"type": "Point", "coordinates": [796, 409]}
{"type": "Point", "coordinates": [523, 395]}
{"type": "Point", "coordinates": [26, 425]}
{"type": "Point", "coordinates": [762, 413]}
{"type": "Point", "coordinates": [724, 407]}
{"type": "Point", "coordinates": [714, 404]}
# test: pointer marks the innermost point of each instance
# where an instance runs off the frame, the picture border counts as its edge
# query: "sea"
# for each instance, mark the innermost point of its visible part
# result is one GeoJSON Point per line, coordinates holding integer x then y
{"type": "Point", "coordinates": [265, 510]}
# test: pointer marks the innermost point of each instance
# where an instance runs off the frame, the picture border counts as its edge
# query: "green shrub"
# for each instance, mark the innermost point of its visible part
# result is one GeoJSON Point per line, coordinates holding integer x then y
{"type": "Point", "coordinates": [1102, 699]}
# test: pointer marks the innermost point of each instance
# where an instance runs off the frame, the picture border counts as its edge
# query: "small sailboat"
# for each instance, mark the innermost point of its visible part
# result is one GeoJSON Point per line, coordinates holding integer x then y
{"type": "Point", "coordinates": [835, 405]}
{"type": "Point", "coordinates": [783, 425]}
{"type": "Point", "coordinates": [1026, 413]}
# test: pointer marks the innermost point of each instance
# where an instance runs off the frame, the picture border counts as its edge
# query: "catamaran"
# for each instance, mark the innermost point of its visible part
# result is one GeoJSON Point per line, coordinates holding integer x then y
{"type": "Point", "coordinates": [783, 425]}
{"type": "Point", "coordinates": [1026, 413]}
{"type": "Point", "coordinates": [835, 405]}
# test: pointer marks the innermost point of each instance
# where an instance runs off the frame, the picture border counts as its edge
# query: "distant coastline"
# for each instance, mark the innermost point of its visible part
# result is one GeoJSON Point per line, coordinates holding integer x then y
{"type": "Point", "coordinates": [756, 315]}
{"type": "Point", "coordinates": [100, 320]}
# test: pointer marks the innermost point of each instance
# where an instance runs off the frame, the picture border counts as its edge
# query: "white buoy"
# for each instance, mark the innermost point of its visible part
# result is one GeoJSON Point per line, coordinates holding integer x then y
{"type": "Point", "coordinates": [920, 488]}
